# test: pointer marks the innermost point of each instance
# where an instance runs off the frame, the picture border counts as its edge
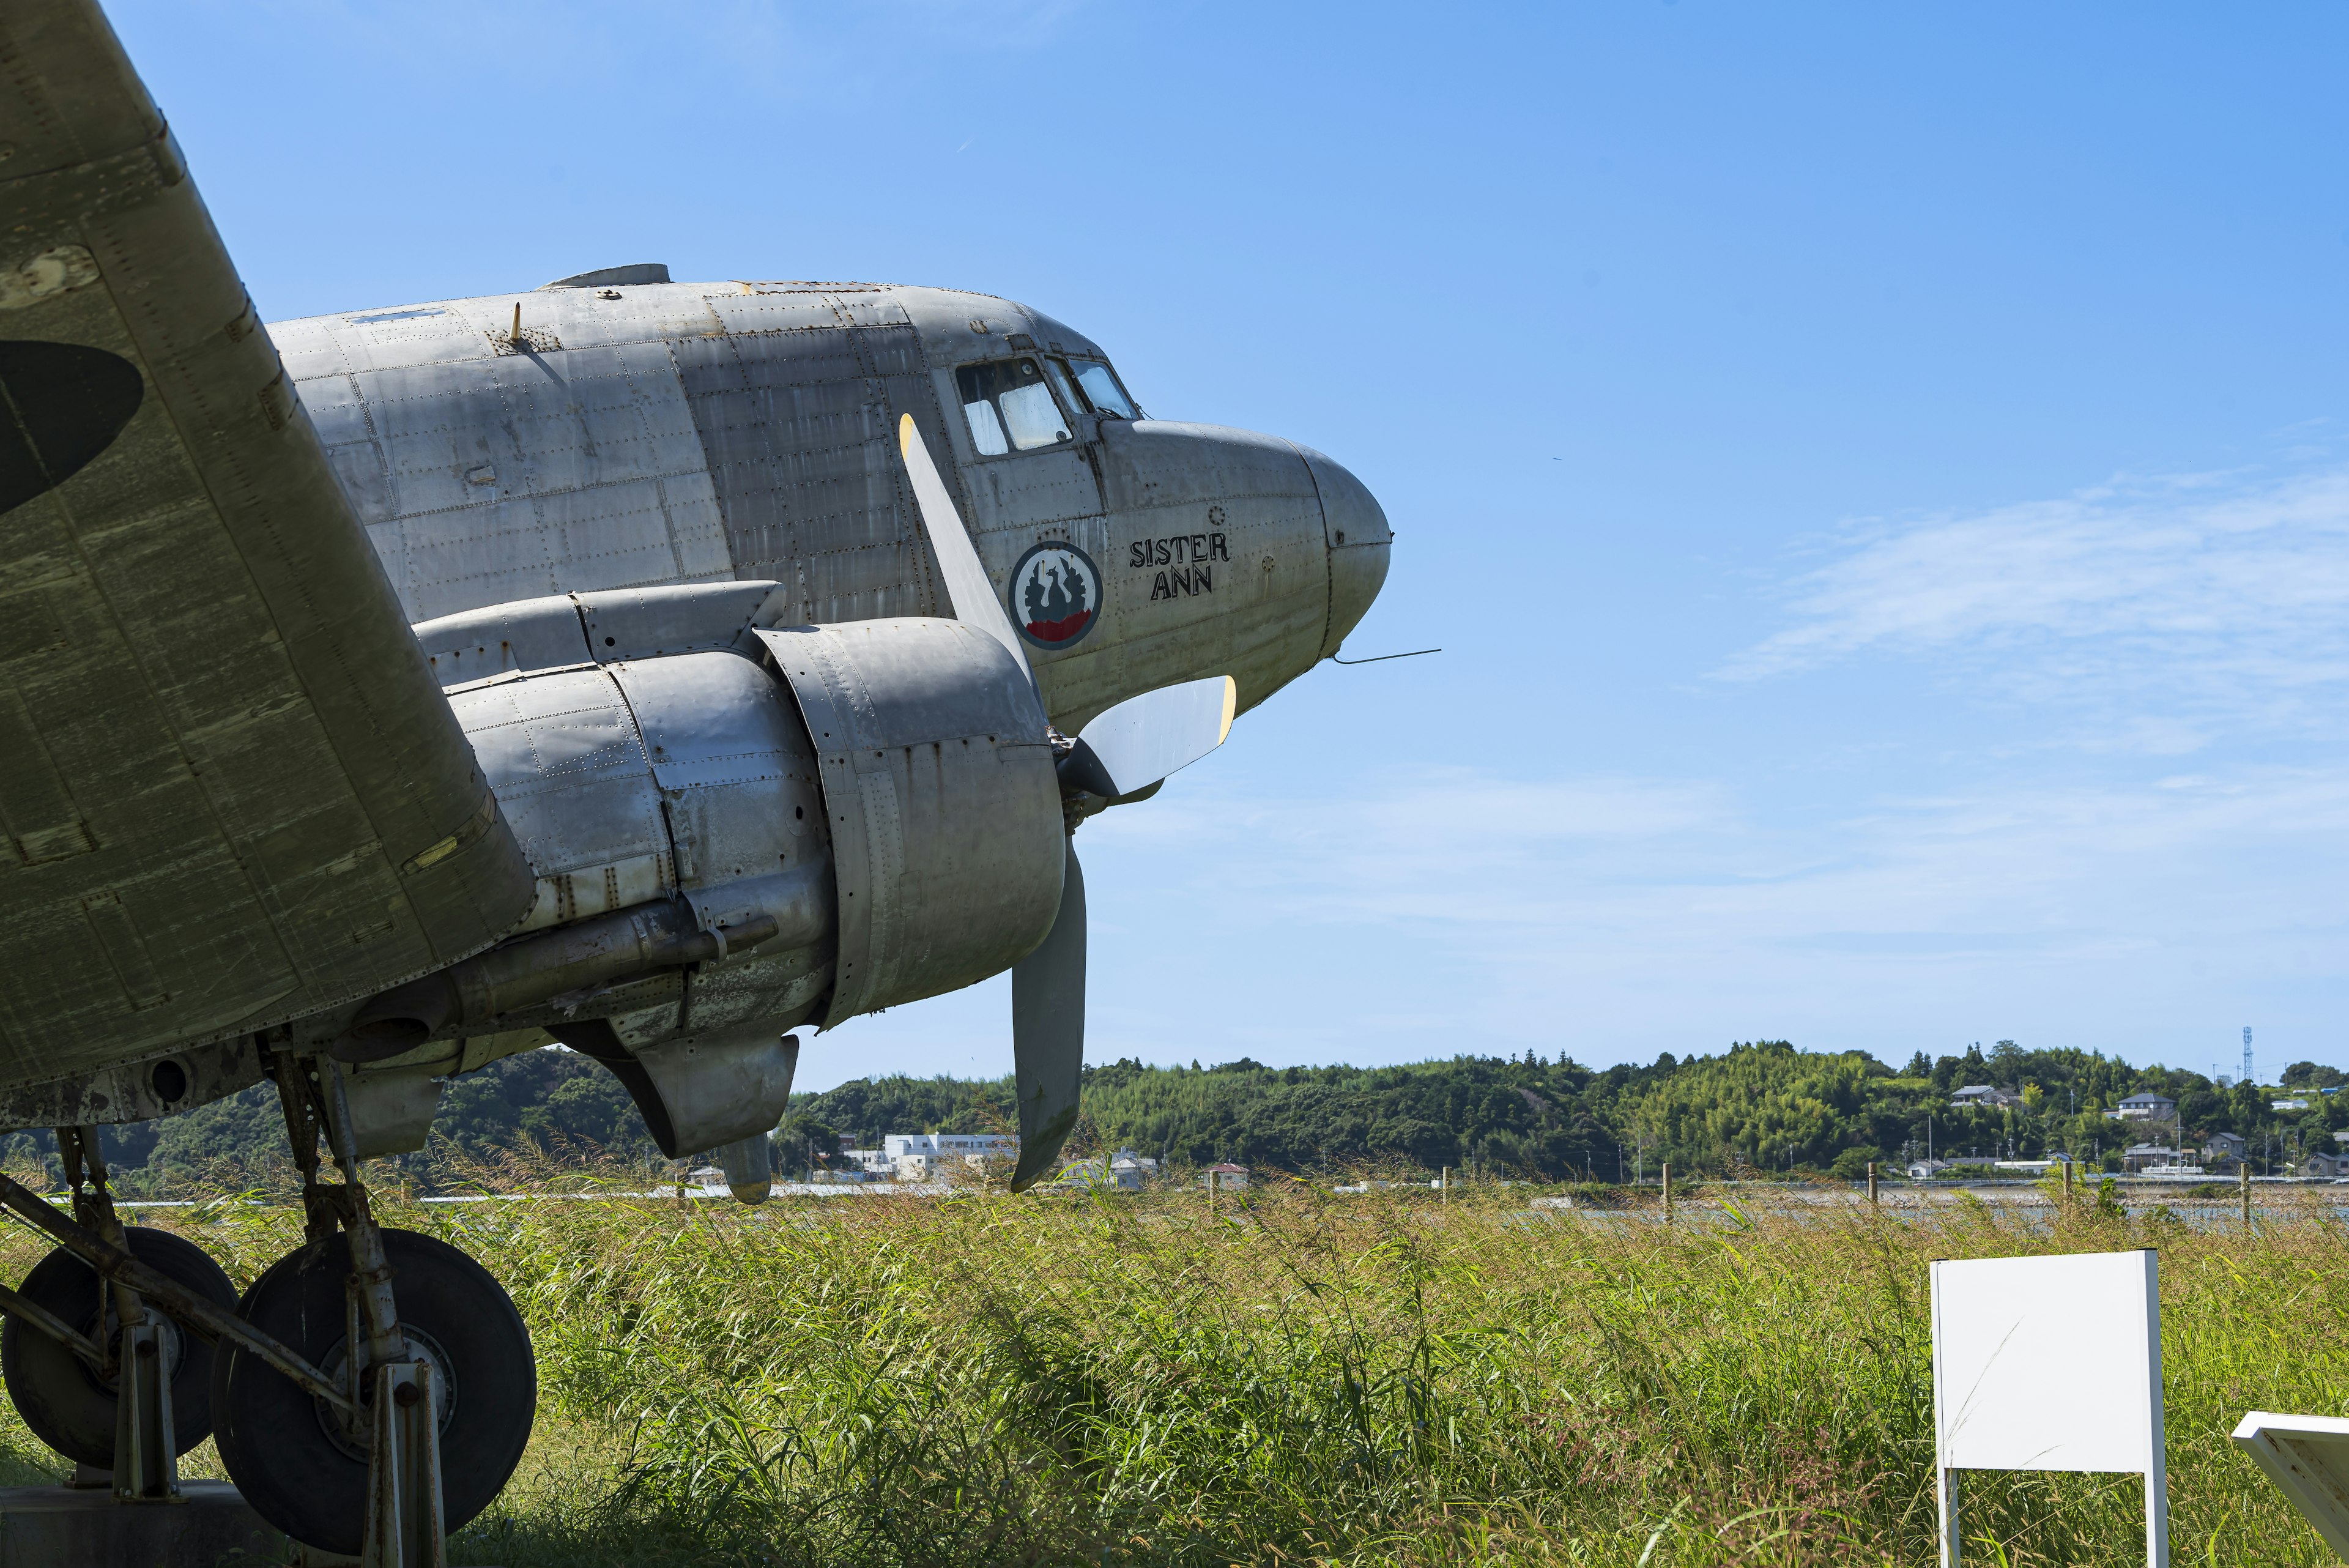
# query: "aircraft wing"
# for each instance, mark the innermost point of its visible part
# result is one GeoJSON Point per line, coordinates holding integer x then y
{"type": "Point", "coordinates": [232, 792]}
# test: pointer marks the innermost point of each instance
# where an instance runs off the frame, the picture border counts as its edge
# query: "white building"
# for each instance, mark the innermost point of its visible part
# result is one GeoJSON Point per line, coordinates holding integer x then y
{"type": "Point", "coordinates": [927, 1157]}
{"type": "Point", "coordinates": [1129, 1171]}
{"type": "Point", "coordinates": [1983, 1095]}
{"type": "Point", "coordinates": [2144, 1107]}
{"type": "Point", "coordinates": [1225, 1177]}
{"type": "Point", "coordinates": [972, 1148]}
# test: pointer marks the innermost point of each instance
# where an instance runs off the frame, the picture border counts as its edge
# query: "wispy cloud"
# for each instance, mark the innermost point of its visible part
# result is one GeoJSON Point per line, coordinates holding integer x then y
{"type": "Point", "coordinates": [2216, 602]}
{"type": "Point", "coordinates": [1578, 915]}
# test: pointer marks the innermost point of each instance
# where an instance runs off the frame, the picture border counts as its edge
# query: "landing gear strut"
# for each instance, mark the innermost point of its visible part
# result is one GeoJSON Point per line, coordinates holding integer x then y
{"type": "Point", "coordinates": [144, 1397]}
{"type": "Point", "coordinates": [385, 1471]}
{"type": "Point", "coordinates": [334, 1406]}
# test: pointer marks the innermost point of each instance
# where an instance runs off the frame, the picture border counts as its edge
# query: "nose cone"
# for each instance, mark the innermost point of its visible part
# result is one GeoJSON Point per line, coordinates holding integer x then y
{"type": "Point", "coordinates": [1355, 528]}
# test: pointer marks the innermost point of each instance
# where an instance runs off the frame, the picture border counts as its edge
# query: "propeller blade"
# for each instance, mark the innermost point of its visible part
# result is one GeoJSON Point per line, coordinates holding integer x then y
{"type": "Point", "coordinates": [1143, 738]}
{"type": "Point", "coordinates": [1047, 1032]}
{"type": "Point", "coordinates": [967, 584]}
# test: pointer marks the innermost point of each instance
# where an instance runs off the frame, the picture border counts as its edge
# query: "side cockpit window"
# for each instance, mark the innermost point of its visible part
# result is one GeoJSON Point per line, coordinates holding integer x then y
{"type": "Point", "coordinates": [1009, 407]}
{"type": "Point", "coordinates": [1099, 384]}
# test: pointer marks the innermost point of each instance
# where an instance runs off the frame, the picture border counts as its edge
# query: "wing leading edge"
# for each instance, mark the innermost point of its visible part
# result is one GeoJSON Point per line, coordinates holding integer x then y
{"type": "Point", "coordinates": [232, 792]}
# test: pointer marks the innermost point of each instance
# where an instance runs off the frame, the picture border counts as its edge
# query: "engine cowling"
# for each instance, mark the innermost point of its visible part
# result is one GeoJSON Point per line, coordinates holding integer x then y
{"type": "Point", "coordinates": [941, 800]}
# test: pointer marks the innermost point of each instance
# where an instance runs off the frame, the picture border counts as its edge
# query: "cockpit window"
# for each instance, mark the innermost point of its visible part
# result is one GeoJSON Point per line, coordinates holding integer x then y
{"type": "Point", "coordinates": [1102, 391]}
{"type": "Point", "coordinates": [1009, 407]}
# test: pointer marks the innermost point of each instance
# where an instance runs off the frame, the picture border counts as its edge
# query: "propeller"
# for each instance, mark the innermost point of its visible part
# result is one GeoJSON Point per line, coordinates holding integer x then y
{"type": "Point", "coordinates": [1125, 748]}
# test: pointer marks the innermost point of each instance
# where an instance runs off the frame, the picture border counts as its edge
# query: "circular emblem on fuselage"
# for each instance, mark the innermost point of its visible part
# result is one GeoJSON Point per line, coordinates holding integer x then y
{"type": "Point", "coordinates": [1056, 595]}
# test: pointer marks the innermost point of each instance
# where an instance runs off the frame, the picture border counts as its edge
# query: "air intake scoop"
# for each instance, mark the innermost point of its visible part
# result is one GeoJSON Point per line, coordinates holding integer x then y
{"type": "Point", "coordinates": [614, 277]}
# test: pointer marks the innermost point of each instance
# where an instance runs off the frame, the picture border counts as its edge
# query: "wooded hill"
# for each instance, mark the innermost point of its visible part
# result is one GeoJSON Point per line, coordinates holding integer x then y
{"type": "Point", "coordinates": [1758, 1109]}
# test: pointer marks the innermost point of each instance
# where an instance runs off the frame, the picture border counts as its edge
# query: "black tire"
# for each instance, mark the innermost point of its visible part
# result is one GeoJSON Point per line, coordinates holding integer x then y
{"type": "Point", "coordinates": [59, 1395]}
{"type": "Point", "coordinates": [282, 1447]}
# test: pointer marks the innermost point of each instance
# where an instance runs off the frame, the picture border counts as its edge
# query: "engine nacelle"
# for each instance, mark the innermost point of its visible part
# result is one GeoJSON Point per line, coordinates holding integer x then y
{"type": "Point", "coordinates": [814, 823]}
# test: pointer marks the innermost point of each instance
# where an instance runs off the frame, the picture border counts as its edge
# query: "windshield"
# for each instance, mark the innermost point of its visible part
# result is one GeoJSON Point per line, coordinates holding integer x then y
{"type": "Point", "coordinates": [1102, 391]}
{"type": "Point", "coordinates": [1009, 407]}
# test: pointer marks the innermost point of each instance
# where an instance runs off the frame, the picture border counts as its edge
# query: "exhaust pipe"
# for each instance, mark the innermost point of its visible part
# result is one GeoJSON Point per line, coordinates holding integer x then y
{"type": "Point", "coordinates": [582, 958]}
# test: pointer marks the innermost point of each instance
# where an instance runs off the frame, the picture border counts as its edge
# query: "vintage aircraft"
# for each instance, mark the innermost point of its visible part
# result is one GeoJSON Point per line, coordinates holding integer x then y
{"type": "Point", "coordinates": [650, 667]}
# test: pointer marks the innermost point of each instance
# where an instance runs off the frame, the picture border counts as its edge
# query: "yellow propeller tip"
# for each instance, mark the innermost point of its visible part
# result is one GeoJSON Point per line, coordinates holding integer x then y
{"type": "Point", "coordinates": [1231, 707]}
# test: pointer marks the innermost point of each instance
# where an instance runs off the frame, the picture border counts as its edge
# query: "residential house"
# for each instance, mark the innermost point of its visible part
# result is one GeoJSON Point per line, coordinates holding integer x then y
{"type": "Point", "coordinates": [2326, 1167]}
{"type": "Point", "coordinates": [1925, 1170]}
{"type": "Point", "coordinates": [2222, 1153]}
{"type": "Point", "coordinates": [2156, 1159]}
{"type": "Point", "coordinates": [2144, 1107]}
{"type": "Point", "coordinates": [1129, 1171]}
{"type": "Point", "coordinates": [1225, 1177]}
{"type": "Point", "coordinates": [1983, 1095]}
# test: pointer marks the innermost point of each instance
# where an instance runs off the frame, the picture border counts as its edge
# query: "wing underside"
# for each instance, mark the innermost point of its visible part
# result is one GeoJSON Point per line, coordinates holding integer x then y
{"type": "Point", "coordinates": [233, 793]}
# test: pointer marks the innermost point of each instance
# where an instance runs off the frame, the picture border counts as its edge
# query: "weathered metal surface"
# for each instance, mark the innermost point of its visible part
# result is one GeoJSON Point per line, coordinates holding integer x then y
{"type": "Point", "coordinates": [686, 617]}
{"type": "Point", "coordinates": [391, 1113]}
{"type": "Point", "coordinates": [1359, 542]}
{"type": "Point", "coordinates": [1219, 567]}
{"type": "Point", "coordinates": [543, 633]}
{"type": "Point", "coordinates": [732, 763]}
{"type": "Point", "coordinates": [570, 769]}
{"type": "Point", "coordinates": [232, 792]}
{"type": "Point", "coordinates": [630, 782]}
{"type": "Point", "coordinates": [792, 392]}
{"type": "Point", "coordinates": [940, 798]}
{"type": "Point", "coordinates": [719, 1085]}
{"type": "Point", "coordinates": [133, 1091]}
{"type": "Point", "coordinates": [485, 476]}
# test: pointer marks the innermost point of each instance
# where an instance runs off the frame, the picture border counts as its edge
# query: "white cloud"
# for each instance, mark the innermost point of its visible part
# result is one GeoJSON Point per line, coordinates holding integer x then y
{"type": "Point", "coordinates": [2184, 607]}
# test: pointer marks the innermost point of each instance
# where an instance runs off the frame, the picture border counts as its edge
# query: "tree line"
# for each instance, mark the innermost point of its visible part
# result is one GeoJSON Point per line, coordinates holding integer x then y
{"type": "Point", "coordinates": [1758, 1109]}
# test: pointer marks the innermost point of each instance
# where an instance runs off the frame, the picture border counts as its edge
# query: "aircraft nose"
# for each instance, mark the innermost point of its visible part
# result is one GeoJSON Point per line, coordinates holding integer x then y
{"type": "Point", "coordinates": [1354, 527]}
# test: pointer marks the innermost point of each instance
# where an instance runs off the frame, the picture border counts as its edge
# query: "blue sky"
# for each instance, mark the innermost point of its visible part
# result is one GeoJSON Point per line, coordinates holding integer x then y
{"type": "Point", "coordinates": [1878, 476]}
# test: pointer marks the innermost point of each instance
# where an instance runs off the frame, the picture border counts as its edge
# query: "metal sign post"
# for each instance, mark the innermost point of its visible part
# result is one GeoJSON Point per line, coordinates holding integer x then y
{"type": "Point", "coordinates": [2017, 1386]}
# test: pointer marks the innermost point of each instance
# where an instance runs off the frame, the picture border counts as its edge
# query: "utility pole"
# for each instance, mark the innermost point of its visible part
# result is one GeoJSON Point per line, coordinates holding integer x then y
{"type": "Point", "coordinates": [2248, 1078]}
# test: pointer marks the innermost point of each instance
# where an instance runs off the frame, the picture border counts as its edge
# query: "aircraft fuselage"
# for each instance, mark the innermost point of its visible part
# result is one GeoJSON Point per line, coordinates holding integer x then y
{"type": "Point", "coordinates": [632, 435]}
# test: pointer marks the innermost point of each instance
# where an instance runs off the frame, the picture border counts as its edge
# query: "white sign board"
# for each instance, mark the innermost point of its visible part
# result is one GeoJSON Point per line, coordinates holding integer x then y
{"type": "Point", "coordinates": [2050, 1364]}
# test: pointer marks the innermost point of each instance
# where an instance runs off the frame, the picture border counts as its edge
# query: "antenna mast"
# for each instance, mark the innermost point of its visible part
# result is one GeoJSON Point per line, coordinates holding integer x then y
{"type": "Point", "coordinates": [2246, 1054]}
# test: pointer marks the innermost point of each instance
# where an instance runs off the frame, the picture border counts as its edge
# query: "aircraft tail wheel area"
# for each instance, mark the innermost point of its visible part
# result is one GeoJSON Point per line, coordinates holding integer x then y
{"type": "Point", "coordinates": [357, 1417]}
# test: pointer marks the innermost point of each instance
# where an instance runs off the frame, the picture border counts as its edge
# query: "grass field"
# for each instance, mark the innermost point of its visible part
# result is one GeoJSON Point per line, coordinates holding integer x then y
{"type": "Point", "coordinates": [1306, 1379]}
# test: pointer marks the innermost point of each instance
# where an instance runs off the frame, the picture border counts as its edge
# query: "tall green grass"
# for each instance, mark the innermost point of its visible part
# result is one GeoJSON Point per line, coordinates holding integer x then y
{"type": "Point", "coordinates": [1380, 1380]}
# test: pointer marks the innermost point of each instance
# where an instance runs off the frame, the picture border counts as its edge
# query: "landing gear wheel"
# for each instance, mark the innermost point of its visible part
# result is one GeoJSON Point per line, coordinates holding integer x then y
{"type": "Point", "coordinates": [287, 1450]}
{"type": "Point", "coordinates": [60, 1396]}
